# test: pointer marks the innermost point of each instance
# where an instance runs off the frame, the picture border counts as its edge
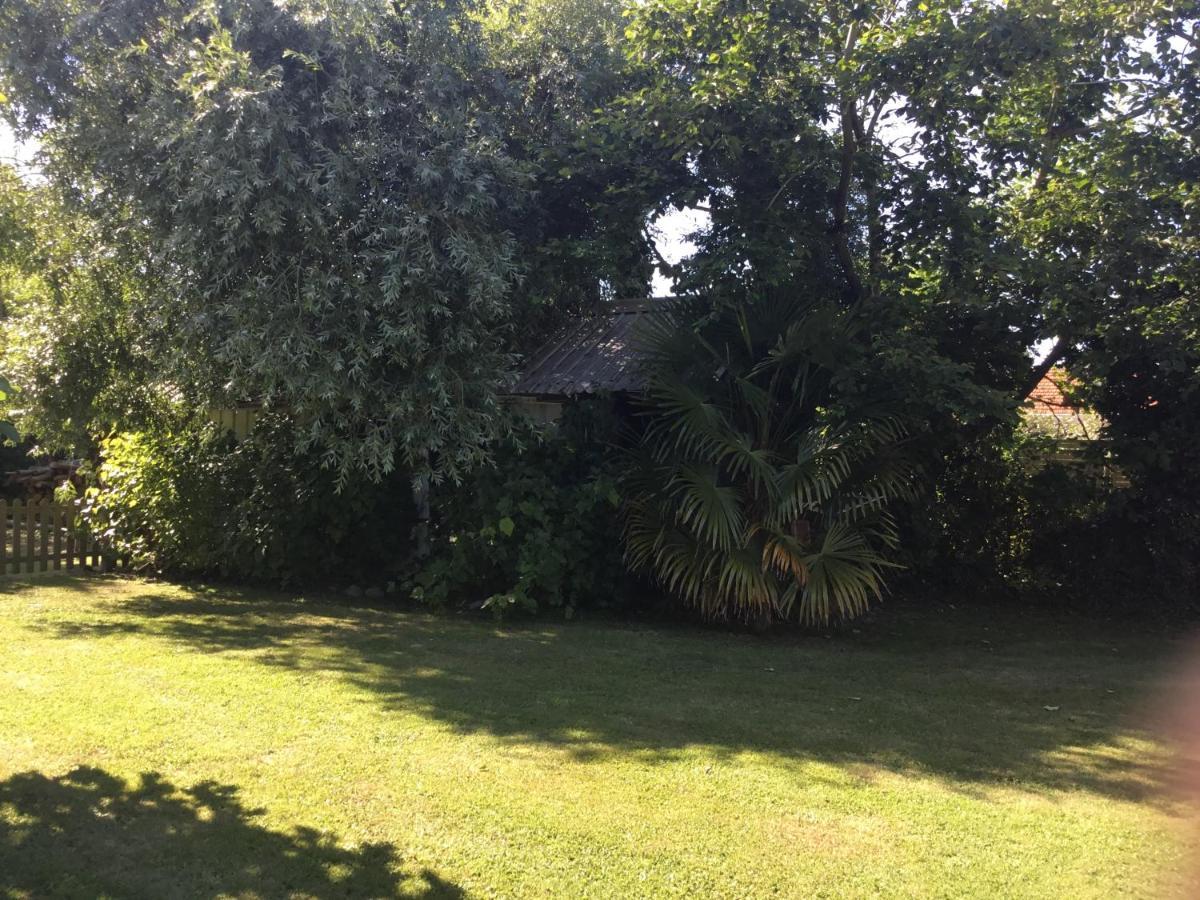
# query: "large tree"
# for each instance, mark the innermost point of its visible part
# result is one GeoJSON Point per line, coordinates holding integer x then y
{"type": "Point", "coordinates": [314, 198]}
{"type": "Point", "coordinates": [584, 239]}
{"type": "Point", "coordinates": [972, 178]}
{"type": "Point", "coordinates": [933, 159]}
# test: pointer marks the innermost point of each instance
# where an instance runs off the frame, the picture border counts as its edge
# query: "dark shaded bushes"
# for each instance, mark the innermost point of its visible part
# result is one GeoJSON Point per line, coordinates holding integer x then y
{"type": "Point", "coordinates": [191, 500]}
{"type": "Point", "coordinates": [539, 530]}
{"type": "Point", "coordinates": [1005, 519]}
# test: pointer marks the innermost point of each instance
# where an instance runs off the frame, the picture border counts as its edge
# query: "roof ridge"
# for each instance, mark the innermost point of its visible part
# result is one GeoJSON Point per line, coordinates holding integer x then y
{"type": "Point", "coordinates": [634, 304]}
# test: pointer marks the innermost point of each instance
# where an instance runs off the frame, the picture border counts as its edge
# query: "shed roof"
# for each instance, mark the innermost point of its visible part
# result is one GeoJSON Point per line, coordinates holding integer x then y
{"type": "Point", "coordinates": [592, 353]}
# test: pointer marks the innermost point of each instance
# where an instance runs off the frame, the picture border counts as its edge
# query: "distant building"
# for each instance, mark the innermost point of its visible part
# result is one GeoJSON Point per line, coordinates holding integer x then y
{"type": "Point", "coordinates": [1048, 410]}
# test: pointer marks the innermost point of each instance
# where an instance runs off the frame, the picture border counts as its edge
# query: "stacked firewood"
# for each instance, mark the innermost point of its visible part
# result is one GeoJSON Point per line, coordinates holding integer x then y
{"type": "Point", "coordinates": [40, 482]}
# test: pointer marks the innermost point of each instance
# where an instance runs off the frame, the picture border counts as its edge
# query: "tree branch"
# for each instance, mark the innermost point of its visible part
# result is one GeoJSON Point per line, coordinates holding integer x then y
{"type": "Point", "coordinates": [851, 127]}
{"type": "Point", "coordinates": [841, 203]}
{"type": "Point", "coordinates": [666, 267]}
{"type": "Point", "coordinates": [1042, 369]}
{"type": "Point", "coordinates": [786, 182]}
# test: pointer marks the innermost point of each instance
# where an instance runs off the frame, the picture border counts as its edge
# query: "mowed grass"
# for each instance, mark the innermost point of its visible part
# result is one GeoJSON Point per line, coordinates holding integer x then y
{"type": "Point", "coordinates": [159, 741]}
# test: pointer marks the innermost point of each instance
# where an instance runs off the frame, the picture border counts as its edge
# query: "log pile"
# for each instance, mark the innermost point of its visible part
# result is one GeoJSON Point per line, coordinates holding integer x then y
{"type": "Point", "coordinates": [39, 482]}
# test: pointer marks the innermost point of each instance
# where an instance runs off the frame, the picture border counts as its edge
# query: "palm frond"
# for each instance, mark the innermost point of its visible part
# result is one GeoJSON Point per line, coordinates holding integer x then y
{"type": "Point", "coordinates": [844, 575]}
{"type": "Point", "coordinates": [752, 494]}
{"type": "Point", "coordinates": [686, 422]}
{"type": "Point", "coordinates": [744, 589]}
{"type": "Point", "coordinates": [784, 555]}
{"type": "Point", "coordinates": [707, 508]}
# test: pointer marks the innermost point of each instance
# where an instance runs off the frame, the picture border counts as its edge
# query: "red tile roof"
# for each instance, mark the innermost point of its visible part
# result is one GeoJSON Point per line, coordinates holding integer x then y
{"type": "Point", "coordinates": [1048, 398]}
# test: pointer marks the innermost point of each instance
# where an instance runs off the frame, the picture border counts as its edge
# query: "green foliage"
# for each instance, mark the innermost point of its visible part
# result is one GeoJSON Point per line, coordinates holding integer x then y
{"type": "Point", "coordinates": [358, 212]}
{"type": "Point", "coordinates": [313, 198]}
{"type": "Point", "coordinates": [1085, 124]}
{"type": "Point", "coordinates": [1015, 170]}
{"type": "Point", "coordinates": [537, 531]}
{"type": "Point", "coordinates": [981, 176]}
{"type": "Point", "coordinates": [162, 499]}
{"type": "Point", "coordinates": [754, 494]}
{"type": "Point", "coordinates": [191, 500]}
{"type": "Point", "coordinates": [72, 340]}
{"type": "Point", "coordinates": [1140, 553]}
{"type": "Point", "coordinates": [583, 238]}
{"type": "Point", "coordinates": [8, 431]}
{"type": "Point", "coordinates": [1009, 516]}
{"type": "Point", "coordinates": [996, 504]}
{"type": "Point", "coordinates": [790, 138]}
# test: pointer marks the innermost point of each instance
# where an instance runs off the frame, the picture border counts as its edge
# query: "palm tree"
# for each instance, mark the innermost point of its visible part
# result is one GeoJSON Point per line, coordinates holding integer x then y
{"type": "Point", "coordinates": [753, 494]}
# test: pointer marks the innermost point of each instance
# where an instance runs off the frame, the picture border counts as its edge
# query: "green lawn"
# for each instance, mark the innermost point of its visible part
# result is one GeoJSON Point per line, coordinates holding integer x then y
{"type": "Point", "coordinates": [166, 741]}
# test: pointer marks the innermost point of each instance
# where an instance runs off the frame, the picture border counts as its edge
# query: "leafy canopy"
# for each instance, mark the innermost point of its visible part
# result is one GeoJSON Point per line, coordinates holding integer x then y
{"type": "Point", "coordinates": [311, 195]}
{"type": "Point", "coordinates": [73, 340]}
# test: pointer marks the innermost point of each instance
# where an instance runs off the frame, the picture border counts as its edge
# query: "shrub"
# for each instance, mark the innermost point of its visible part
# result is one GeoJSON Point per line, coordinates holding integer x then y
{"type": "Point", "coordinates": [994, 500]}
{"type": "Point", "coordinates": [1005, 515]}
{"type": "Point", "coordinates": [539, 530]}
{"type": "Point", "coordinates": [158, 499]}
{"type": "Point", "coordinates": [190, 500]}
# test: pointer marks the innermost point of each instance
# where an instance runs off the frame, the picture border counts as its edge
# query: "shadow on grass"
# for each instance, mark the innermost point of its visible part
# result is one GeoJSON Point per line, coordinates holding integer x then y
{"type": "Point", "coordinates": [977, 705]}
{"type": "Point", "coordinates": [88, 833]}
{"type": "Point", "coordinates": [83, 582]}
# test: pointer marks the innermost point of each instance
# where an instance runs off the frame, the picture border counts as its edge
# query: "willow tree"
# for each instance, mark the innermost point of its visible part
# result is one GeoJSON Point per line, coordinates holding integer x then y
{"type": "Point", "coordinates": [314, 197]}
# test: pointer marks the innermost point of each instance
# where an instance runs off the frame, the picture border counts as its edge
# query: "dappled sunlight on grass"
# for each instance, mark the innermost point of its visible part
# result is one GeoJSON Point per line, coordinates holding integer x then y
{"type": "Point", "coordinates": [1139, 765]}
{"type": "Point", "coordinates": [651, 693]}
{"type": "Point", "coordinates": [992, 756]}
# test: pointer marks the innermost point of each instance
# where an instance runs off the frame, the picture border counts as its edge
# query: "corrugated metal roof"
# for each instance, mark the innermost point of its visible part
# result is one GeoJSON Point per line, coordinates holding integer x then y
{"type": "Point", "coordinates": [591, 354]}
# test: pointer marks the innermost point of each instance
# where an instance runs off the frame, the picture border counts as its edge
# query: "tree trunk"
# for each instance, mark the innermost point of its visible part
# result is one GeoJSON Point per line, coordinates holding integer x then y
{"type": "Point", "coordinates": [420, 533]}
{"type": "Point", "coordinates": [841, 202]}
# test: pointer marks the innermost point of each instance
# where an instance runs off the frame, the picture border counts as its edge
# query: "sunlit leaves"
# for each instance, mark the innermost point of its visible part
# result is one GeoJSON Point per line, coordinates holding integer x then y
{"type": "Point", "coordinates": [319, 194]}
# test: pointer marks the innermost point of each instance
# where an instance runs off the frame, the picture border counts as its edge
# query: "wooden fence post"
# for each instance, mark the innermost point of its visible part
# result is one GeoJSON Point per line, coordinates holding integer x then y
{"type": "Point", "coordinates": [69, 526]}
{"type": "Point", "coordinates": [56, 519]}
{"type": "Point", "coordinates": [82, 539]}
{"type": "Point", "coordinates": [16, 537]}
{"type": "Point", "coordinates": [44, 520]}
{"type": "Point", "coordinates": [44, 535]}
{"type": "Point", "coordinates": [30, 536]}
